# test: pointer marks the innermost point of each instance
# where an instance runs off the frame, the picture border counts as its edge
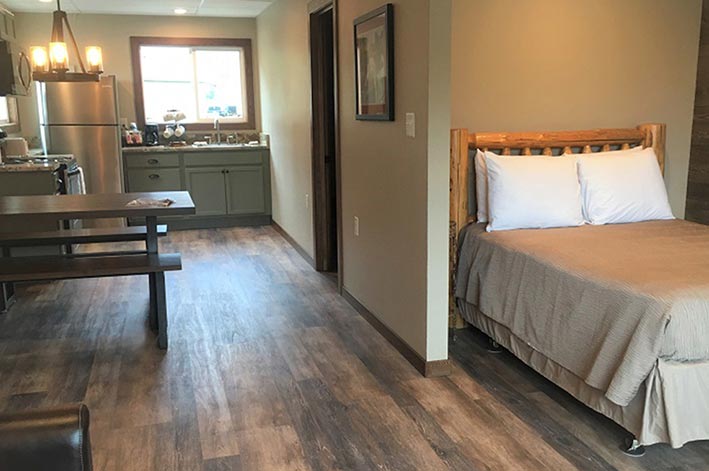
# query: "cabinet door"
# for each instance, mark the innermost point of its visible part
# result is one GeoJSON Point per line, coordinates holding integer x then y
{"type": "Point", "coordinates": [206, 186]}
{"type": "Point", "coordinates": [140, 180]}
{"type": "Point", "coordinates": [245, 190]}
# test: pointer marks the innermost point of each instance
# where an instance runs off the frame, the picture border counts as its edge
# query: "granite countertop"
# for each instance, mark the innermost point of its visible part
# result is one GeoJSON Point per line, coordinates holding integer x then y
{"type": "Point", "coordinates": [208, 148]}
{"type": "Point", "coordinates": [28, 167]}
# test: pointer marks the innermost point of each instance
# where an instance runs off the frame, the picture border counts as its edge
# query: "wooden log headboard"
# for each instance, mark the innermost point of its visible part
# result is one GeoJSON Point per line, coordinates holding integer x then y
{"type": "Point", "coordinates": [530, 143]}
{"type": "Point", "coordinates": [544, 143]}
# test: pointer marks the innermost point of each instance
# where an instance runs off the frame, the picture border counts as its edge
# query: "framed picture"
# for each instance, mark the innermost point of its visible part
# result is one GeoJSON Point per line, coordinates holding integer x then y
{"type": "Point", "coordinates": [374, 65]}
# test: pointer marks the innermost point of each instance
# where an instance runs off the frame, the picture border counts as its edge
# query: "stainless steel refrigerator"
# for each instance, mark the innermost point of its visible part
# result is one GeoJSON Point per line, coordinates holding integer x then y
{"type": "Point", "coordinates": [81, 118]}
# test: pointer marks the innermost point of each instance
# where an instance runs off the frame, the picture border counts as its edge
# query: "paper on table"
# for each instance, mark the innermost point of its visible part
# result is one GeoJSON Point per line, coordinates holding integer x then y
{"type": "Point", "coordinates": [151, 203]}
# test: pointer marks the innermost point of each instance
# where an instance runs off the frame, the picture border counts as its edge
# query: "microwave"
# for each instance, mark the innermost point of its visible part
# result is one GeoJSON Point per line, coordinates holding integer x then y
{"type": "Point", "coordinates": [15, 70]}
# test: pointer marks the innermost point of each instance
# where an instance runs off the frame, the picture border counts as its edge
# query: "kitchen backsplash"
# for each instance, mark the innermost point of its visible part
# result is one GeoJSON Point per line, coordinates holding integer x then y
{"type": "Point", "coordinates": [237, 137]}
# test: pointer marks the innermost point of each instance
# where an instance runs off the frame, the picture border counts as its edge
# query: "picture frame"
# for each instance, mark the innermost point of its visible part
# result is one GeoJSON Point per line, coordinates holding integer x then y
{"type": "Point", "coordinates": [374, 65]}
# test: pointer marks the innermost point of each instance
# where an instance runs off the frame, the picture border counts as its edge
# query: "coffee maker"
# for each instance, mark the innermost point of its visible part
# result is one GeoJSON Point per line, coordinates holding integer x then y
{"type": "Point", "coordinates": [152, 135]}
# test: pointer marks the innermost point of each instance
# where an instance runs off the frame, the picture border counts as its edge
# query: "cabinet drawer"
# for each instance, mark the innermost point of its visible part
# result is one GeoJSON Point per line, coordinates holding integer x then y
{"type": "Point", "coordinates": [154, 180]}
{"type": "Point", "coordinates": [200, 159]}
{"type": "Point", "coordinates": [152, 160]}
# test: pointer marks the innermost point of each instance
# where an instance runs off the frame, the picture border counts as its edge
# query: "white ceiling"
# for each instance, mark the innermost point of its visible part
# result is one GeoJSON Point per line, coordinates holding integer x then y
{"type": "Point", "coordinates": [219, 8]}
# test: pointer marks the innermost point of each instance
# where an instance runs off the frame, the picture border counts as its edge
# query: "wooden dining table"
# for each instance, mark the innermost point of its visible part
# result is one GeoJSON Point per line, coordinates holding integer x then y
{"type": "Point", "coordinates": [18, 210]}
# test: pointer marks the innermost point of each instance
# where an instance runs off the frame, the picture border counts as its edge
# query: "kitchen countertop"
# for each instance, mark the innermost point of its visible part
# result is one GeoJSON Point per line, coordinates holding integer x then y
{"type": "Point", "coordinates": [29, 167]}
{"type": "Point", "coordinates": [209, 148]}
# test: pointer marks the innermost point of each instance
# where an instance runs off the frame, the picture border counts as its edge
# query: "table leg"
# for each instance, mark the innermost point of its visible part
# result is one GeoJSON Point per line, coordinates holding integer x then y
{"type": "Point", "coordinates": [158, 305]}
{"type": "Point", "coordinates": [153, 315]}
{"type": "Point", "coordinates": [151, 241]}
{"type": "Point", "coordinates": [161, 310]}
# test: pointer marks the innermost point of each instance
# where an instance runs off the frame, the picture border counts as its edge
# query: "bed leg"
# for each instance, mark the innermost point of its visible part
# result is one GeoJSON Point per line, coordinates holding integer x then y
{"type": "Point", "coordinates": [632, 447]}
{"type": "Point", "coordinates": [492, 346]}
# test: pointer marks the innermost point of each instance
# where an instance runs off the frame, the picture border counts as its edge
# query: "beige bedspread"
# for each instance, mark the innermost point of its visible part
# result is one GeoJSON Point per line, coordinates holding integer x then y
{"type": "Point", "coordinates": [605, 302]}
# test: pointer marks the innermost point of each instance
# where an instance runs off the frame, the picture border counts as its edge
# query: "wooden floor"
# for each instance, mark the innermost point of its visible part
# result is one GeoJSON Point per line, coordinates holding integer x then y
{"type": "Point", "coordinates": [269, 369]}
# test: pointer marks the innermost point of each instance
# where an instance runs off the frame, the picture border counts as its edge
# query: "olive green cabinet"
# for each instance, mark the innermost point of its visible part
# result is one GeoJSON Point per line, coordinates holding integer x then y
{"type": "Point", "coordinates": [206, 185]}
{"type": "Point", "coordinates": [229, 187]}
{"type": "Point", "coordinates": [245, 190]}
{"type": "Point", "coordinates": [7, 26]}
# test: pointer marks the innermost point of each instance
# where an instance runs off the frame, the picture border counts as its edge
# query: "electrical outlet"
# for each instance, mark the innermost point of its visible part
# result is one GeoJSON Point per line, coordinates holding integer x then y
{"type": "Point", "coordinates": [307, 201]}
{"type": "Point", "coordinates": [410, 125]}
{"type": "Point", "coordinates": [356, 226]}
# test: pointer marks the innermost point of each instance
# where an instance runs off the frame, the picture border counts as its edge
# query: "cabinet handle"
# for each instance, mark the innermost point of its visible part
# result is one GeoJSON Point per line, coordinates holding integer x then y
{"type": "Point", "coordinates": [153, 176]}
{"type": "Point", "coordinates": [227, 171]}
{"type": "Point", "coordinates": [153, 161]}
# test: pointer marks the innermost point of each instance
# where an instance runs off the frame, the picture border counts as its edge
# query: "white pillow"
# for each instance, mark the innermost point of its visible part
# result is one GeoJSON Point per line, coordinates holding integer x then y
{"type": "Point", "coordinates": [619, 189]}
{"type": "Point", "coordinates": [528, 193]}
{"type": "Point", "coordinates": [481, 185]}
{"type": "Point", "coordinates": [481, 179]}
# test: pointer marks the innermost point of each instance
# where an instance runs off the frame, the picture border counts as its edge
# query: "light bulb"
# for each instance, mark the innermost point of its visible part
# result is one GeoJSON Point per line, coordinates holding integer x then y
{"type": "Point", "coordinates": [58, 56]}
{"type": "Point", "coordinates": [94, 59]}
{"type": "Point", "coordinates": [40, 59]}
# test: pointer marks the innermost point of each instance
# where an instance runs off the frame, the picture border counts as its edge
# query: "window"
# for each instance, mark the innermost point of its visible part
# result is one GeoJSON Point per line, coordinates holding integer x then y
{"type": "Point", "coordinates": [206, 79]}
{"type": "Point", "coordinates": [8, 114]}
{"type": "Point", "coordinates": [4, 111]}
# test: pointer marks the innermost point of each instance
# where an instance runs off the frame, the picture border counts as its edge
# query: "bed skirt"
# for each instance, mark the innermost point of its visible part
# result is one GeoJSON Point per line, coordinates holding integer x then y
{"type": "Point", "coordinates": [670, 407]}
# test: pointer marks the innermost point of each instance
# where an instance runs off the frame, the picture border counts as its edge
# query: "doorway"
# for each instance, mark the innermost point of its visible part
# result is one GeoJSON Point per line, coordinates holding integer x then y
{"type": "Point", "coordinates": [325, 158]}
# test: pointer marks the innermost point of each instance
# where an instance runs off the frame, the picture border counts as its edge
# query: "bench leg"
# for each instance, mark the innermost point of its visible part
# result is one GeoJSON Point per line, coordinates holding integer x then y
{"type": "Point", "coordinates": [7, 290]}
{"type": "Point", "coordinates": [153, 314]}
{"type": "Point", "coordinates": [161, 305]}
{"type": "Point", "coordinates": [7, 296]}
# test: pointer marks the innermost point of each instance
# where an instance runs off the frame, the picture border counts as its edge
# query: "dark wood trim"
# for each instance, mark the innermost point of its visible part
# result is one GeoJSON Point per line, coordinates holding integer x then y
{"type": "Point", "coordinates": [244, 43]}
{"type": "Point", "coordinates": [303, 253]}
{"type": "Point", "coordinates": [389, 111]}
{"type": "Point", "coordinates": [437, 368]}
{"type": "Point", "coordinates": [316, 7]}
{"type": "Point", "coordinates": [429, 369]}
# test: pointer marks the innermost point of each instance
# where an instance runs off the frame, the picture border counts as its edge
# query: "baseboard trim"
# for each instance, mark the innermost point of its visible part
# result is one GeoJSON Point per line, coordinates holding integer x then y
{"type": "Point", "coordinates": [303, 253]}
{"type": "Point", "coordinates": [429, 369]}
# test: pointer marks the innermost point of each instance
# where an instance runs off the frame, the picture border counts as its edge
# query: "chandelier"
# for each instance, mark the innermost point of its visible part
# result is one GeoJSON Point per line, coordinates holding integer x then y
{"type": "Point", "coordinates": [52, 65]}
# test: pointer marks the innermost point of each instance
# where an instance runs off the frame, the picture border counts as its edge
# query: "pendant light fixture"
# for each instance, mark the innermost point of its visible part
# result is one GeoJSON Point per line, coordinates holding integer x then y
{"type": "Point", "coordinates": [52, 65]}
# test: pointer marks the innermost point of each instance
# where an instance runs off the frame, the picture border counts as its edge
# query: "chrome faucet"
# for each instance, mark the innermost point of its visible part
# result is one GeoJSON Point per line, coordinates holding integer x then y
{"type": "Point", "coordinates": [218, 127]}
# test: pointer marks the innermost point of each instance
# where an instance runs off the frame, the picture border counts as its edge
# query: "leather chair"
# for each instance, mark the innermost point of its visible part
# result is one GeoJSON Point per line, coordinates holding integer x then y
{"type": "Point", "coordinates": [43, 440]}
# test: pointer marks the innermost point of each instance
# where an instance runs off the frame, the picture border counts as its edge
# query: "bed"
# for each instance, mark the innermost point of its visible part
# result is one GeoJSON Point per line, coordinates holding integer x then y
{"type": "Point", "coordinates": [617, 315]}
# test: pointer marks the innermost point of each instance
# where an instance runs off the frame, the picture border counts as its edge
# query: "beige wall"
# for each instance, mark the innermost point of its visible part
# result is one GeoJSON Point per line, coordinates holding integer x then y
{"type": "Point", "coordinates": [385, 182]}
{"type": "Point", "coordinates": [112, 33]}
{"type": "Point", "coordinates": [285, 83]}
{"type": "Point", "coordinates": [560, 64]}
{"type": "Point", "coordinates": [397, 186]}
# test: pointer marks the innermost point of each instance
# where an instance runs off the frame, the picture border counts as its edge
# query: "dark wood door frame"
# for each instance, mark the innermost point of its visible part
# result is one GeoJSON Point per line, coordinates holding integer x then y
{"type": "Point", "coordinates": [319, 175]}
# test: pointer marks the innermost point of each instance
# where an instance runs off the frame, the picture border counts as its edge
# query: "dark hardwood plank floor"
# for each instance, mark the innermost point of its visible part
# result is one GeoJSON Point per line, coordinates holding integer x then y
{"type": "Point", "coordinates": [269, 369]}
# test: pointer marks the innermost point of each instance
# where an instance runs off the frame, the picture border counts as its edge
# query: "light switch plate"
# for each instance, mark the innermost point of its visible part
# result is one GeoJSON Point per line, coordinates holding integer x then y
{"type": "Point", "coordinates": [410, 125]}
{"type": "Point", "coordinates": [356, 226]}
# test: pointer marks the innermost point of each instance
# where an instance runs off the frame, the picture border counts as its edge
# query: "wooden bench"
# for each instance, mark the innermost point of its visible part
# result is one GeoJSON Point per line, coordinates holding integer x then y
{"type": "Point", "coordinates": [14, 269]}
{"type": "Point", "coordinates": [77, 236]}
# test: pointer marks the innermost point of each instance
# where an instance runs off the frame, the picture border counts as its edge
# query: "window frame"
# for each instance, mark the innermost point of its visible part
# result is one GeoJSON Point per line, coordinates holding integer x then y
{"type": "Point", "coordinates": [244, 44]}
{"type": "Point", "coordinates": [13, 125]}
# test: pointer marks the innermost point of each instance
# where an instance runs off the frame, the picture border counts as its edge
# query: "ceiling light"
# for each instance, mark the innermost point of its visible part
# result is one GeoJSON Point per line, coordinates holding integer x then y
{"type": "Point", "coordinates": [52, 64]}
{"type": "Point", "coordinates": [46, 1]}
{"type": "Point", "coordinates": [180, 11]}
